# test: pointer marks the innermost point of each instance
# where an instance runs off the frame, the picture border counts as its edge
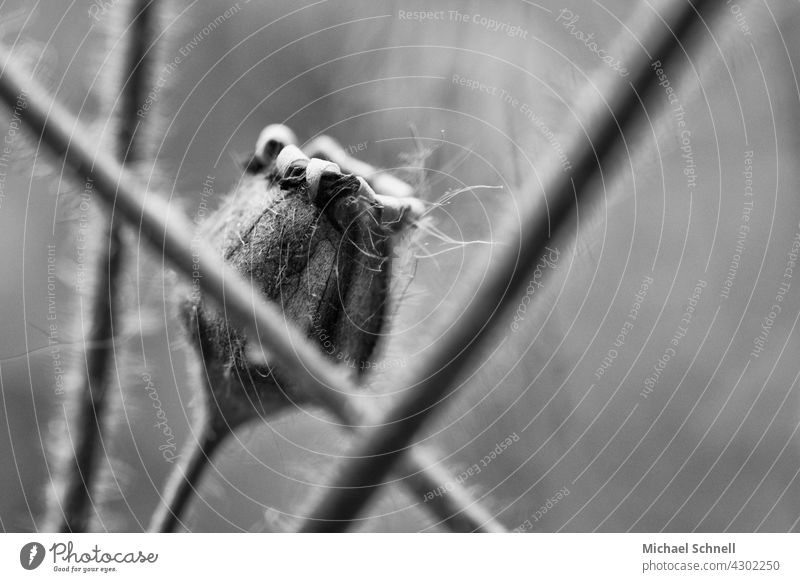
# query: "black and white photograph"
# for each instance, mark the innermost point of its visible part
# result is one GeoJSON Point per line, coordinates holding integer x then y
{"type": "Point", "coordinates": [400, 267]}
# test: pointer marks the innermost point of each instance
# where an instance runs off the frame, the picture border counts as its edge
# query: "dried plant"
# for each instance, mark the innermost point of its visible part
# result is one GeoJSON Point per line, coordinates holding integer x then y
{"type": "Point", "coordinates": [297, 256]}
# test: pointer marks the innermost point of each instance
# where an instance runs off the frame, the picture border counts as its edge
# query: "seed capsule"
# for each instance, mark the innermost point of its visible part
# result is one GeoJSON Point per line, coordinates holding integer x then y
{"type": "Point", "coordinates": [314, 241]}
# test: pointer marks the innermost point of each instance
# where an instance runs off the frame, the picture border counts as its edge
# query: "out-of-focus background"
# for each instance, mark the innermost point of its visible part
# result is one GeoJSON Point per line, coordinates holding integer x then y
{"type": "Point", "coordinates": [646, 382]}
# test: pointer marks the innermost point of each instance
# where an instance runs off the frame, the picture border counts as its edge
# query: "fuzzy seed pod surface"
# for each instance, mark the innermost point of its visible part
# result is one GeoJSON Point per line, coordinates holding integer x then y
{"type": "Point", "coordinates": [325, 263]}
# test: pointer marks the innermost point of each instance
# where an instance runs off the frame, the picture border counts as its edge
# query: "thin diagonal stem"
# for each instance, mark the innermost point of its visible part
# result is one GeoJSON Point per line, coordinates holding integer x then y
{"type": "Point", "coordinates": [184, 480]}
{"type": "Point", "coordinates": [457, 508]}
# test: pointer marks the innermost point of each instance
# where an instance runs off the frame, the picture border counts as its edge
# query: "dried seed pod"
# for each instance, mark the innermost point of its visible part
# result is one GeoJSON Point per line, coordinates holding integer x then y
{"type": "Point", "coordinates": [315, 242]}
{"type": "Point", "coordinates": [312, 240]}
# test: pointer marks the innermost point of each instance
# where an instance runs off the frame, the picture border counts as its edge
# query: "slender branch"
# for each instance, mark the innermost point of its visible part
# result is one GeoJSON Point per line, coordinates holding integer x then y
{"type": "Point", "coordinates": [209, 430]}
{"type": "Point", "coordinates": [602, 124]}
{"type": "Point", "coordinates": [457, 508]}
{"type": "Point", "coordinates": [70, 511]}
{"type": "Point", "coordinates": [184, 480]}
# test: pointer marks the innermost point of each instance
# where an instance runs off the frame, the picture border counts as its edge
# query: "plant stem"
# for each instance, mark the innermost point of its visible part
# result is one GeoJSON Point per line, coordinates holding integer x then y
{"type": "Point", "coordinates": [70, 510]}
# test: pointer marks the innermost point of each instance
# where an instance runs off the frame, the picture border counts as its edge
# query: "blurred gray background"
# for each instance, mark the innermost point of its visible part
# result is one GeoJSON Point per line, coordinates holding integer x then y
{"type": "Point", "coordinates": [711, 446]}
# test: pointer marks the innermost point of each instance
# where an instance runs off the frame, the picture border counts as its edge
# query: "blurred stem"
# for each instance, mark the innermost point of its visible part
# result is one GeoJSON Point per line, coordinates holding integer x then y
{"type": "Point", "coordinates": [70, 511]}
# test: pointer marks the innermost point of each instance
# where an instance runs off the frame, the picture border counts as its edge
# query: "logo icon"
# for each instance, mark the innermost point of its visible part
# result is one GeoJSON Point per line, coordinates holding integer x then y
{"type": "Point", "coordinates": [31, 555]}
